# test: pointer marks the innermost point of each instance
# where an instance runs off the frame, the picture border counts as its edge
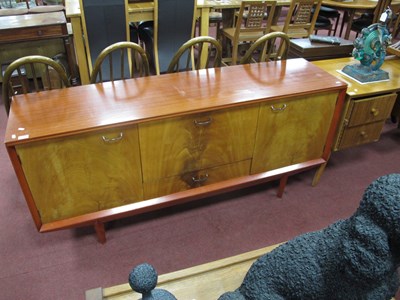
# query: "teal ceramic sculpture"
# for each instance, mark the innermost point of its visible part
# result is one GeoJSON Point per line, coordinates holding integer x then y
{"type": "Point", "coordinates": [370, 50]}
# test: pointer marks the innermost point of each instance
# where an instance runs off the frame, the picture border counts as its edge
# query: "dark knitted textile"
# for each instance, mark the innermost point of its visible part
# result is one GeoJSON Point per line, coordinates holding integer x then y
{"type": "Point", "coordinates": [356, 258]}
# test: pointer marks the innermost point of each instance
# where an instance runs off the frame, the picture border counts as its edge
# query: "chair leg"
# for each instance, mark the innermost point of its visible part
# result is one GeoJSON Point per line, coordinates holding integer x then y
{"type": "Point", "coordinates": [235, 48]}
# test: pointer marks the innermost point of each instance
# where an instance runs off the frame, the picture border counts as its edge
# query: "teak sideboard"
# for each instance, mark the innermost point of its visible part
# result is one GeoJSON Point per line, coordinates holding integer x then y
{"type": "Point", "coordinates": [89, 154]}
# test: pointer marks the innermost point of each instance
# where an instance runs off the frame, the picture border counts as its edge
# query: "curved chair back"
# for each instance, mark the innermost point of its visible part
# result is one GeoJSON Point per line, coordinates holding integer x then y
{"type": "Point", "coordinates": [270, 47]}
{"type": "Point", "coordinates": [122, 54]}
{"type": "Point", "coordinates": [32, 73]}
{"type": "Point", "coordinates": [192, 50]}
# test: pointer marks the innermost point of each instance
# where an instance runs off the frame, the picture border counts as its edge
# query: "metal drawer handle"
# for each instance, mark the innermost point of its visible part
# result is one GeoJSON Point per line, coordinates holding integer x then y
{"type": "Point", "coordinates": [374, 112]}
{"type": "Point", "coordinates": [363, 134]}
{"type": "Point", "coordinates": [40, 33]}
{"type": "Point", "coordinates": [200, 179]}
{"type": "Point", "coordinates": [203, 123]}
{"type": "Point", "coordinates": [114, 139]}
{"type": "Point", "coordinates": [278, 109]}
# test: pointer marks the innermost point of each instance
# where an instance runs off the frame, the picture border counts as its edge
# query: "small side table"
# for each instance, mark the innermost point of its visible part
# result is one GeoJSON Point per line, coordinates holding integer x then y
{"type": "Point", "coordinates": [34, 27]}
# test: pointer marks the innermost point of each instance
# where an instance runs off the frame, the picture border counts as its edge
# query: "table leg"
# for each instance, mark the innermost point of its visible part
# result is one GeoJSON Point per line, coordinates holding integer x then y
{"type": "Point", "coordinates": [80, 50]}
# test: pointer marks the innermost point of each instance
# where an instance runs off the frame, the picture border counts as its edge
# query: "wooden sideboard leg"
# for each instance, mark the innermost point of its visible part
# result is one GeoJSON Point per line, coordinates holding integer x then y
{"type": "Point", "coordinates": [100, 231]}
{"type": "Point", "coordinates": [282, 184]}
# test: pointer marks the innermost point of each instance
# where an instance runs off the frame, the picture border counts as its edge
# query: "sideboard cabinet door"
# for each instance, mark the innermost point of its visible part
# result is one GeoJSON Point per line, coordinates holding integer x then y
{"type": "Point", "coordinates": [80, 174]}
{"type": "Point", "coordinates": [180, 145]}
{"type": "Point", "coordinates": [292, 131]}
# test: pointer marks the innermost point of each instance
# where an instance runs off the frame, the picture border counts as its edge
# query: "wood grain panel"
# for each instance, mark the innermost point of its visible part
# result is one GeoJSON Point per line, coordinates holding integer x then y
{"type": "Point", "coordinates": [363, 134]}
{"type": "Point", "coordinates": [195, 179]}
{"type": "Point", "coordinates": [180, 145]}
{"type": "Point", "coordinates": [291, 131]}
{"type": "Point", "coordinates": [83, 174]}
{"type": "Point", "coordinates": [371, 109]}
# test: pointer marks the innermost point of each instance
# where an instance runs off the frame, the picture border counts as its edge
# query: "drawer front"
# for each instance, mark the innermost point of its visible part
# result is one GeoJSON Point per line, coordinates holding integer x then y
{"type": "Point", "coordinates": [180, 145]}
{"type": "Point", "coordinates": [77, 175]}
{"type": "Point", "coordinates": [370, 110]}
{"type": "Point", "coordinates": [33, 33]}
{"type": "Point", "coordinates": [195, 179]}
{"type": "Point", "coordinates": [358, 135]}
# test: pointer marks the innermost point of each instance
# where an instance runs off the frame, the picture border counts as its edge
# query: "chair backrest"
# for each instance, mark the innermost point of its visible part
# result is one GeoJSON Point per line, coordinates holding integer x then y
{"type": "Point", "coordinates": [251, 17]}
{"type": "Point", "coordinates": [104, 23]}
{"type": "Point", "coordinates": [121, 60]}
{"type": "Point", "coordinates": [301, 18]}
{"type": "Point", "coordinates": [192, 51]}
{"type": "Point", "coordinates": [174, 23]}
{"type": "Point", "coordinates": [32, 73]}
{"type": "Point", "coordinates": [380, 8]}
{"type": "Point", "coordinates": [270, 47]}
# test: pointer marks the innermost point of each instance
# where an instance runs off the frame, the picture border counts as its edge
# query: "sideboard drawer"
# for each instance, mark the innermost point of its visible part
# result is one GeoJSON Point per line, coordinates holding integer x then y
{"type": "Point", "coordinates": [195, 179]}
{"type": "Point", "coordinates": [370, 109]}
{"type": "Point", "coordinates": [176, 146]}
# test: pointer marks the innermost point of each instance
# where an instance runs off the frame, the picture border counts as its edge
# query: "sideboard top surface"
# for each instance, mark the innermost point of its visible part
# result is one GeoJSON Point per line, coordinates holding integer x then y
{"type": "Point", "coordinates": [92, 107]}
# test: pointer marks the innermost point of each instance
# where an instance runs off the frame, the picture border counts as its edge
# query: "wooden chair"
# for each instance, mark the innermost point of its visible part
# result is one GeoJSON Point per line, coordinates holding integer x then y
{"type": "Point", "coordinates": [118, 56]}
{"type": "Point", "coordinates": [174, 24]}
{"type": "Point", "coordinates": [271, 47]}
{"type": "Point", "coordinates": [249, 26]}
{"type": "Point", "coordinates": [301, 18]}
{"type": "Point", "coordinates": [191, 51]}
{"type": "Point", "coordinates": [367, 19]}
{"type": "Point", "coordinates": [32, 73]}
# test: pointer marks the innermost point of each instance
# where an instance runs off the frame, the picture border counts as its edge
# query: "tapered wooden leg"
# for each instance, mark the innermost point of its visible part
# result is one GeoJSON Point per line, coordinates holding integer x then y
{"type": "Point", "coordinates": [282, 184]}
{"type": "Point", "coordinates": [100, 231]}
{"type": "Point", "coordinates": [318, 174]}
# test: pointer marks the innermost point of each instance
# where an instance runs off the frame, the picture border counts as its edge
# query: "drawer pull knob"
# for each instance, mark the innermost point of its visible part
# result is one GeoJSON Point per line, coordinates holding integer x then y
{"type": "Point", "coordinates": [363, 134]}
{"type": "Point", "coordinates": [200, 179]}
{"type": "Point", "coordinates": [203, 123]}
{"type": "Point", "coordinates": [114, 139]}
{"type": "Point", "coordinates": [278, 109]}
{"type": "Point", "coordinates": [374, 112]}
{"type": "Point", "coordinates": [40, 33]}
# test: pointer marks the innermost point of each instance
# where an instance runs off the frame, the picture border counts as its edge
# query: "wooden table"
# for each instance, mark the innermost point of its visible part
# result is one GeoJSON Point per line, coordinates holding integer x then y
{"type": "Point", "coordinates": [367, 106]}
{"type": "Point", "coordinates": [352, 8]}
{"type": "Point", "coordinates": [203, 282]}
{"type": "Point", "coordinates": [36, 27]}
{"type": "Point", "coordinates": [126, 147]}
{"type": "Point", "coordinates": [141, 12]}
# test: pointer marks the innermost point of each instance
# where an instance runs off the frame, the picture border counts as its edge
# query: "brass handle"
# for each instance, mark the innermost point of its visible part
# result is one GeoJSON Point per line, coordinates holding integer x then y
{"type": "Point", "coordinates": [374, 112]}
{"type": "Point", "coordinates": [278, 109]}
{"type": "Point", "coordinates": [200, 179]}
{"type": "Point", "coordinates": [203, 123]}
{"type": "Point", "coordinates": [363, 134]}
{"type": "Point", "coordinates": [114, 139]}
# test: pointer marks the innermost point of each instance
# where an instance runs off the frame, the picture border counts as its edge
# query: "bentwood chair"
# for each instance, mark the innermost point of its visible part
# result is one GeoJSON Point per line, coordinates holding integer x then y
{"type": "Point", "coordinates": [191, 52]}
{"type": "Point", "coordinates": [32, 73]}
{"type": "Point", "coordinates": [250, 25]}
{"type": "Point", "coordinates": [271, 47]}
{"type": "Point", "coordinates": [301, 18]}
{"type": "Point", "coordinates": [124, 60]}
